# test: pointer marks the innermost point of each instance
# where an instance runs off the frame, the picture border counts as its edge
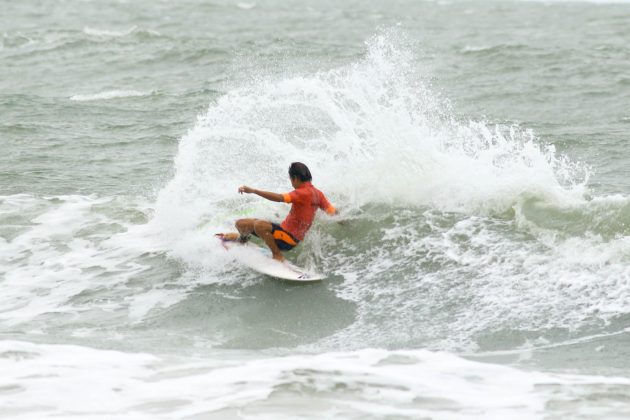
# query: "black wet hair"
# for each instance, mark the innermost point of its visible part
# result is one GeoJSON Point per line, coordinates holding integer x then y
{"type": "Point", "coordinates": [300, 171]}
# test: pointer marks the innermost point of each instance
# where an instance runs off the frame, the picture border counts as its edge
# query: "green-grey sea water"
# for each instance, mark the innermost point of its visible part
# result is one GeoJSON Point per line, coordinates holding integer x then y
{"type": "Point", "coordinates": [477, 150]}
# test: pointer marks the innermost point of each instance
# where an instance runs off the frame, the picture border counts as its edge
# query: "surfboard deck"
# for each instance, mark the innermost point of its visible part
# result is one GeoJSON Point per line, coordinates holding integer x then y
{"type": "Point", "coordinates": [259, 259]}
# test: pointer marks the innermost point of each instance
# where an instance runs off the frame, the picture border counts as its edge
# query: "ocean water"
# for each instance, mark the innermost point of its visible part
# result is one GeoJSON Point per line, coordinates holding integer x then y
{"type": "Point", "coordinates": [478, 152]}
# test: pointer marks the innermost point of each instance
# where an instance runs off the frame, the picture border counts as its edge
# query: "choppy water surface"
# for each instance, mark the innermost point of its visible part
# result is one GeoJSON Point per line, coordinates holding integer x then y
{"type": "Point", "coordinates": [477, 150]}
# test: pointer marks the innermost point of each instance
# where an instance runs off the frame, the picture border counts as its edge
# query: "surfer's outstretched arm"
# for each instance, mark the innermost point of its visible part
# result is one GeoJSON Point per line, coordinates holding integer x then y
{"type": "Point", "coordinates": [271, 196]}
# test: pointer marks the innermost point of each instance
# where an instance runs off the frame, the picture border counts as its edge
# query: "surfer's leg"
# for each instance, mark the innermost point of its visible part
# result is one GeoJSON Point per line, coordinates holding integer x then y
{"type": "Point", "coordinates": [263, 230]}
{"type": "Point", "coordinates": [245, 228]}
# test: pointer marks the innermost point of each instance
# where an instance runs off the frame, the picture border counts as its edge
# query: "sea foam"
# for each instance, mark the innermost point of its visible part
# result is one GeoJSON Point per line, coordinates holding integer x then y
{"type": "Point", "coordinates": [370, 383]}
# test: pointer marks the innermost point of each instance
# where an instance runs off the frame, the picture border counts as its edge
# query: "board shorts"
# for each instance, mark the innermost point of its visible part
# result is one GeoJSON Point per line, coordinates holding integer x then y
{"type": "Point", "coordinates": [284, 239]}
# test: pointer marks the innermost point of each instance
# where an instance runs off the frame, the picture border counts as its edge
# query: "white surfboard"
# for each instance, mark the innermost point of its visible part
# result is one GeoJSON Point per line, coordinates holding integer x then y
{"type": "Point", "coordinates": [259, 259]}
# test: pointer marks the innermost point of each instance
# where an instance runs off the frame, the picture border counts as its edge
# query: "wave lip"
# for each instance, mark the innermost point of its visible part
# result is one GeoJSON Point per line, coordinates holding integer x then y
{"type": "Point", "coordinates": [245, 5]}
{"type": "Point", "coordinates": [105, 33]}
{"type": "Point", "coordinates": [110, 94]}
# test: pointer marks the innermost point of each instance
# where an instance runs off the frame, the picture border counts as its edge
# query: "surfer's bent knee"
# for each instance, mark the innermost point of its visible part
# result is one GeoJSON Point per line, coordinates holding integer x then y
{"type": "Point", "coordinates": [261, 226]}
{"type": "Point", "coordinates": [242, 223]}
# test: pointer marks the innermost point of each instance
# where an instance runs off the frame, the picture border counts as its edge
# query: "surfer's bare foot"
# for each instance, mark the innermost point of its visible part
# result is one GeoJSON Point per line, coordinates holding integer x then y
{"type": "Point", "coordinates": [228, 236]}
{"type": "Point", "coordinates": [278, 257]}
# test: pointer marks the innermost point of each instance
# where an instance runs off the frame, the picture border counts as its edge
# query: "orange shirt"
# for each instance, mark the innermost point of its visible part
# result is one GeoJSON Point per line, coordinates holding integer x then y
{"type": "Point", "coordinates": [305, 200]}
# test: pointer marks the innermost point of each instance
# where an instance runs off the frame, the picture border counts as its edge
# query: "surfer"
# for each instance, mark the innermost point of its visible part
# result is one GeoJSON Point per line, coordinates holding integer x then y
{"type": "Point", "coordinates": [305, 199]}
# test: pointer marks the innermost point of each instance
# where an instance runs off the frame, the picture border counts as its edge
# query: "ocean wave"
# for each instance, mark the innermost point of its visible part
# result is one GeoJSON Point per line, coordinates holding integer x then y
{"type": "Point", "coordinates": [443, 206]}
{"type": "Point", "coordinates": [56, 249]}
{"type": "Point", "coordinates": [110, 94]}
{"type": "Point", "coordinates": [105, 33]}
{"type": "Point", "coordinates": [374, 132]}
{"type": "Point", "coordinates": [245, 6]}
{"type": "Point", "coordinates": [368, 383]}
{"type": "Point", "coordinates": [16, 40]}
{"type": "Point", "coordinates": [491, 48]}
{"type": "Point", "coordinates": [464, 227]}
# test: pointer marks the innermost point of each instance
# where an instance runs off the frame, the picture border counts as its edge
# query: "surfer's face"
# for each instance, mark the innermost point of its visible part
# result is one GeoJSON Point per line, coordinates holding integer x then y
{"type": "Point", "coordinates": [295, 182]}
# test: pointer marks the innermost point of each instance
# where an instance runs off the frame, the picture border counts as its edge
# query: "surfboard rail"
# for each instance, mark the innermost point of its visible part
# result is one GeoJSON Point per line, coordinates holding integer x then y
{"type": "Point", "coordinates": [259, 259]}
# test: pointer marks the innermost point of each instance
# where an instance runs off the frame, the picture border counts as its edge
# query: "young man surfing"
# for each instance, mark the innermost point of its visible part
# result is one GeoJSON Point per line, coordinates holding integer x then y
{"type": "Point", "coordinates": [305, 199]}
